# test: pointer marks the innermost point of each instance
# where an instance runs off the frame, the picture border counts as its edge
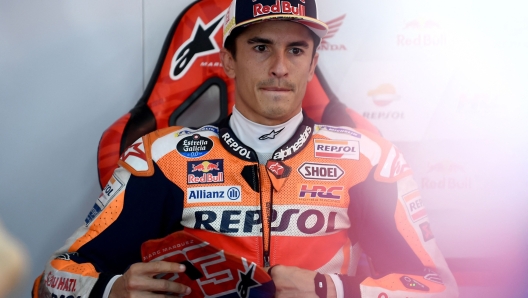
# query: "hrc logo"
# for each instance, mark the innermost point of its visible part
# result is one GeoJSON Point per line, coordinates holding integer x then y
{"type": "Point", "coordinates": [321, 191]}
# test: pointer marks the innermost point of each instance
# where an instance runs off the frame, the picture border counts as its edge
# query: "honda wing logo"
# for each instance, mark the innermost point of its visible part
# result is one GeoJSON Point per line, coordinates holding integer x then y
{"type": "Point", "coordinates": [333, 28]}
{"type": "Point", "coordinates": [201, 43]}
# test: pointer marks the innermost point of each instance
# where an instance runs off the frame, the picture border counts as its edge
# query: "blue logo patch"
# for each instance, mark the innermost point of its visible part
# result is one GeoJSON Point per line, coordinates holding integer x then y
{"type": "Point", "coordinates": [194, 146]}
{"type": "Point", "coordinates": [92, 214]}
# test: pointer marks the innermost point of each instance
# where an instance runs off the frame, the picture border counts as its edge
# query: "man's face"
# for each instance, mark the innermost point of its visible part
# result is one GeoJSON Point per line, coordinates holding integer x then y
{"type": "Point", "coordinates": [273, 65]}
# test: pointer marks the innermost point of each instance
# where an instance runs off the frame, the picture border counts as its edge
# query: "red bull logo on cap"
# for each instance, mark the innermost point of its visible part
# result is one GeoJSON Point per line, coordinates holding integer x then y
{"type": "Point", "coordinates": [280, 7]}
{"type": "Point", "coordinates": [205, 171]}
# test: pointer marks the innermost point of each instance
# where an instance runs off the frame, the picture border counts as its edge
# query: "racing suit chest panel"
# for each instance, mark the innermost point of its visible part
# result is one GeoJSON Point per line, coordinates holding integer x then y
{"type": "Point", "coordinates": [309, 210]}
{"type": "Point", "coordinates": [219, 206]}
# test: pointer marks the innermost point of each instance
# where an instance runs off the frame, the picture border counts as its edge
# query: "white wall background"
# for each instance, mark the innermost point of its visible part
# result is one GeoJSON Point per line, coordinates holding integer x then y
{"type": "Point", "coordinates": [69, 69]}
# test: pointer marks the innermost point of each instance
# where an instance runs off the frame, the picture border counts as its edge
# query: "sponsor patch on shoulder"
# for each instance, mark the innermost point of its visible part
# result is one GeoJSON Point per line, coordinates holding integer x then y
{"type": "Point", "coordinates": [336, 129]}
{"type": "Point", "coordinates": [394, 165]}
{"type": "Point", "coordinates": [186, 131]}
{"type": "Point", "coordinates": [110, 190]}
{"type": "Point", "coordinates": [135, 156]}
{"type": "Point", "coordinates": [229, 193]}
{"type": "Point", "coordinates": [194, 146]}
{"type": "Point", "coordinates": [338, 149]}
{"type": "Point", "coordinates": [415, 208]}
{"type": "Point", "coordinates": [96, 209]}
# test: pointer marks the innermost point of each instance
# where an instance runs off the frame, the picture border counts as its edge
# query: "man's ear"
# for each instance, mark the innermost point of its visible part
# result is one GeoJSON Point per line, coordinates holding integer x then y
{"type": "Point", "coordinates": [228, 63]}
{"type": "Point", "coordinates": [312, 66]}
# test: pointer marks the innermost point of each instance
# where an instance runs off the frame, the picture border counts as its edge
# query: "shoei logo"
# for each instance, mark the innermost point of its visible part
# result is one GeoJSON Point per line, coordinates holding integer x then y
{"type": "Point", "coordinates": [280, 7]}
{"type": "Point", "coordinates": [318, 171]}
{"type": "Point", "coordinates": [201, 43]}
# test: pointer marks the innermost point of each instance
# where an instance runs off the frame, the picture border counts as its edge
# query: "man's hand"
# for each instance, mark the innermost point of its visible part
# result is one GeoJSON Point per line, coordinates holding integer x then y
{"type": "Point", "coordinates": [139, 281]}
{"type": "Point", "coordinates": [297, 282]}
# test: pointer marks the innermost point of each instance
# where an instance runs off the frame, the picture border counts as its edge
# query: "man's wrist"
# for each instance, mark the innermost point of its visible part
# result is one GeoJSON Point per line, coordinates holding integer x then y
{"type": "Point", "coordinates": [109, 286]}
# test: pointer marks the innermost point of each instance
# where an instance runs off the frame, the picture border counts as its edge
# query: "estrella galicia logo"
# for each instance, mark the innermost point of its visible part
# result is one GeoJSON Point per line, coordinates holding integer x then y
{"type": "Point", "coordinates": [201, 43]}
{"type": "Point", "coordinates": [194, 146]}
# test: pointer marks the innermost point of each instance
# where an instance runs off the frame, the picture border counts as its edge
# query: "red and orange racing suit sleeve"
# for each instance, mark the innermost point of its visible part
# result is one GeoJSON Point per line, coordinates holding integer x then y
{"type": "Point", "coordinates": [390, 225]}
{"type": "Point", "coordinates": [130, 210]}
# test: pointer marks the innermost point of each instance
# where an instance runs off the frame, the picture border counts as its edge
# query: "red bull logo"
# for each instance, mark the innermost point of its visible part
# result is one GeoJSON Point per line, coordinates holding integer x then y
{"type": "Point", "coordinates": [206, 167]}
{"type": "Point", "coordinates": [421, 33]}
{"type": "Point", "coordinates": [445, 167]}
{"type": "Point", "coordinates": [207, 171]}
{"type": "Point", "coordinates": [280, 7]}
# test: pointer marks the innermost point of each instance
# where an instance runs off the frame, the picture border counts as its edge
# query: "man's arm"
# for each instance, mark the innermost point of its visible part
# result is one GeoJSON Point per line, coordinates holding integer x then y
{"type": "Point", "coordinates": [297, 282]}
{"type": "Point", "coordinates": [132, 209]}
{"type": "Point", "coordinates": [390, 224]}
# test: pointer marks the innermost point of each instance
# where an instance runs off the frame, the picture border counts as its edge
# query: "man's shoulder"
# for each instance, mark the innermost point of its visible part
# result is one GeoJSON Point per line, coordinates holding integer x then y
{"type": "Point", "coordinates": [381, 153]}
{"type": "Point", "coordinates": [189, 142]}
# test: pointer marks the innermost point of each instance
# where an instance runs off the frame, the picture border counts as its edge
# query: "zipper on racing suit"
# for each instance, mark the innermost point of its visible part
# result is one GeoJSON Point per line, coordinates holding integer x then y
{"type": "Point", "coordinates": [266, 207]}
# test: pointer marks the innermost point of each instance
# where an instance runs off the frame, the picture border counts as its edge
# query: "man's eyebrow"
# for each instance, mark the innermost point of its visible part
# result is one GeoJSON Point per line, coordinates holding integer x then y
{"type": "Point", "coordinates": [259, 40]}
{"type": "Point", "coordinates": [302, 44]}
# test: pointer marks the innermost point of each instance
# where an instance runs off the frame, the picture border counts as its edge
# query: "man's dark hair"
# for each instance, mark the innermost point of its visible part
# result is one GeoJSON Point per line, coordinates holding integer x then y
{"type": "Point", "coordinates": [230, 44]}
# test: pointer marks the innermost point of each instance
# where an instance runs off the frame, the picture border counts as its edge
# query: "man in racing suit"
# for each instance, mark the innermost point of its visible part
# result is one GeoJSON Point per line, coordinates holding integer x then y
{"type": "Point", "coordinates": [267, 184]}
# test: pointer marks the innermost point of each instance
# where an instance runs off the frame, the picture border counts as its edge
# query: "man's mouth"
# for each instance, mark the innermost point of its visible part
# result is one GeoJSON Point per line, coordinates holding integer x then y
{"type": "Point", "coordinates": [275, 89]}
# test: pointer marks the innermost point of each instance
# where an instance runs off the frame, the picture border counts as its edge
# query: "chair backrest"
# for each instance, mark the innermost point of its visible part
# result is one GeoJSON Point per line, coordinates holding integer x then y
{"type": "Point", "coordinates": [189, 87]}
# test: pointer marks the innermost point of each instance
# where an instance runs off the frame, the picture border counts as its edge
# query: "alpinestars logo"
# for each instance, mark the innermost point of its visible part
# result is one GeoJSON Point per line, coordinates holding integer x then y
{"type": "Point", "coordinates": [246, 281]}
{"type": "Point", "coordinates": [333, 28]}
{"type": "Point", "coordinates": [201, 43]}
{"type": "Point", "coordinates": [271, 135]}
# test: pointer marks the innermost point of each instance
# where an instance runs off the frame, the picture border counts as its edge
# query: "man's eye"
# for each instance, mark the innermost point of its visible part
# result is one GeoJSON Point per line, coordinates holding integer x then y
{"type": "Point", "coordinates": [296, 51]}
{"type": "Point", "coordinates": [260, 48]}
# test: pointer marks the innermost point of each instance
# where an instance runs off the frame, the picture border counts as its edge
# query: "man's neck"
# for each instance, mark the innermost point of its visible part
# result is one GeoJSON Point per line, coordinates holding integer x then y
{"type": "Point", "coordinates": [263, 139]}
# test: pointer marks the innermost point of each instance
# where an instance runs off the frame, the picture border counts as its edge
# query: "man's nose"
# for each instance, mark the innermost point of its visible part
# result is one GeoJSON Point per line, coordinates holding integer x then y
{"type": "Point", "coordinates": [279, 67]}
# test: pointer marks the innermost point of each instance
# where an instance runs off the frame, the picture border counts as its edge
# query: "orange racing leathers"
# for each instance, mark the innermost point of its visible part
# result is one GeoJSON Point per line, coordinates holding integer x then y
{"type": "Point", "coordinates": [327, 195]}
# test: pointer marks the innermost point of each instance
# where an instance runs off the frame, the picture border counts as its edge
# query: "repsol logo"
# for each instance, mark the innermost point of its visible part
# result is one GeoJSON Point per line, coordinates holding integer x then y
{"type": "Point", "coordinates": [236, 147]}
{"type": "Point", "coordinates": [338, 149]}
{"type": "Point", "coordinates": [284, 222]}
